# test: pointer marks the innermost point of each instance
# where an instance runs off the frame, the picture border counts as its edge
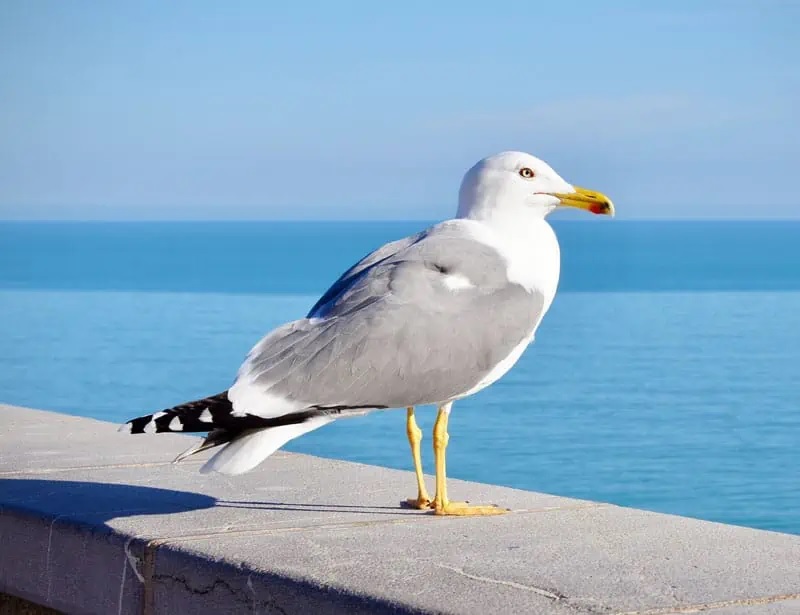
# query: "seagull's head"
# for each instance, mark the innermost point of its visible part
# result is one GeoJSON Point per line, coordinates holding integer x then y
{"type": "Point", "coordinates": [517, 184]}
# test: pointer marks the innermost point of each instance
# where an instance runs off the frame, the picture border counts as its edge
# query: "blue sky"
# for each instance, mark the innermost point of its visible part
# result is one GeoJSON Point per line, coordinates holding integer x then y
{"type": "Point", "coordinates": [211, 110]}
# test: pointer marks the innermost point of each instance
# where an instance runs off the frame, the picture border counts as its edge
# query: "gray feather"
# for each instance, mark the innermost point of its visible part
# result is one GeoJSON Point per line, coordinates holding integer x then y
{"type": "Point", "coordinates": [390, 333]}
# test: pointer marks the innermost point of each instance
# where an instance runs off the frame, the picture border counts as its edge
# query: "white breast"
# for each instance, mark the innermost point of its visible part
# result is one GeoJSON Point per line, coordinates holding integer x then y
{"type": "Point", "coordinates": [534, 261]}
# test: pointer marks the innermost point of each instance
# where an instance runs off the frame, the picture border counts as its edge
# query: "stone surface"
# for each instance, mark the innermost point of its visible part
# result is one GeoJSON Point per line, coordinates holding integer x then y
{"type": "Point", "coordinates": [94, 521]}
{"type": "Point", "coordinates": [782, 607]}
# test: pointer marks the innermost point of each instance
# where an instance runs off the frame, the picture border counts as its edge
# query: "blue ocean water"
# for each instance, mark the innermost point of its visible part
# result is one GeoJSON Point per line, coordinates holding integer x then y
{"type": "Point", "coordinates": [665, 376]}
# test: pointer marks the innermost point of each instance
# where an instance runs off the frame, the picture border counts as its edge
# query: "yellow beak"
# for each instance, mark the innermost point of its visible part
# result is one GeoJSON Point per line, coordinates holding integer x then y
{"type": "Point", "coordinates": [592, 201]}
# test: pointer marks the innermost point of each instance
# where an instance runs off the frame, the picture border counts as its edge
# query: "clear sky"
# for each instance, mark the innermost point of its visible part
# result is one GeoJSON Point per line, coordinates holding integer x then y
{"type": "Point", "coordinates": [209, 110]}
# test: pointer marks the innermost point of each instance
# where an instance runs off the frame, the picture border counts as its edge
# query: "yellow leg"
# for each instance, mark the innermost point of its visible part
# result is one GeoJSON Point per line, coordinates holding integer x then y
{"type": "Point", "coordinates": [414, 433]}
{"type": "Point", "coordinates": [441, 503]}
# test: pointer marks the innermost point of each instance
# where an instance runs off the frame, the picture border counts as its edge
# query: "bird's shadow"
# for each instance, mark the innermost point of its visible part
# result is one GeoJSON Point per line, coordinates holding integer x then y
{"type": "Point", "coordinates": [97, 503]}
{"type": "Point", "coordinates": [332, 508]}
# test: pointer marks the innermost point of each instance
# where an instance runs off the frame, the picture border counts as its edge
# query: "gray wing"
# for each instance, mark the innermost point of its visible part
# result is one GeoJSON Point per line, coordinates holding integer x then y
{"type": "Point", "coordinates": [394, 334]}
{"type": "Point", "coordinates": [347, 278]}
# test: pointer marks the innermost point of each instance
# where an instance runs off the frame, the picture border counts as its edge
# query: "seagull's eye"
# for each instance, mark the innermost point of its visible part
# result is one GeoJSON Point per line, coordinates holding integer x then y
{"type": "Point", "coordinates": [526, 173]}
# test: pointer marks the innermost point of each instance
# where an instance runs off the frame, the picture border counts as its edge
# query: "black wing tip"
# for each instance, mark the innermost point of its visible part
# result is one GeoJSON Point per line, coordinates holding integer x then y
{"type": "Point", "coordinates": [216, 413]}
{"type": "Point", "coordinates": [145, 424]}
{"type": "Point", "coordinates": [182, 418]}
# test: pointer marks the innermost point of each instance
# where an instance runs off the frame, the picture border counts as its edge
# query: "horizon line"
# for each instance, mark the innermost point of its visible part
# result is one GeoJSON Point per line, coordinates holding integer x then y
{"type": "Point", "coordinates": [353, 220]}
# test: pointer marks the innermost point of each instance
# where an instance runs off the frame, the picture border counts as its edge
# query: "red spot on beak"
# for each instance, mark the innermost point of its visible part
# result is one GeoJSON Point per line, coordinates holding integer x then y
{"type": "Point", "coordinates": [598, 208]}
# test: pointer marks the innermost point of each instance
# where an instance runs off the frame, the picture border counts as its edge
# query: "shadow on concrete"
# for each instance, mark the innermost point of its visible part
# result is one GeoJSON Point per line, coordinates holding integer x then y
{"type": "Point", "coordinates": [332, 508]}
{"type": "Point", "coordinates": [100, 502]}
{"type": "Point", "coordinates": [95, 502]}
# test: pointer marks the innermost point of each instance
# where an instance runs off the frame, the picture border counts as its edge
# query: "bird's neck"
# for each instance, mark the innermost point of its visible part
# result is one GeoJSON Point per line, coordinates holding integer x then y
{"type": "Point", "coordinates": [528, 243]}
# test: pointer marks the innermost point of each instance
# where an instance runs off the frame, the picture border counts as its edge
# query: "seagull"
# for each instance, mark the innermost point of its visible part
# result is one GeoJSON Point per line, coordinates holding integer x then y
{"type": "Point", "coordinates": [426, 320]}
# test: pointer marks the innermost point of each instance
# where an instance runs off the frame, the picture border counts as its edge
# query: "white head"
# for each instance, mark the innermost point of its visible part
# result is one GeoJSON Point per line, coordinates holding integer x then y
{"type": "Point", "coordinates": [515, 186]}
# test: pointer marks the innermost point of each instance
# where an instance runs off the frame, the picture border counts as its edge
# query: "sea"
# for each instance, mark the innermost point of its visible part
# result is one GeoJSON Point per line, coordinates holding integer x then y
{"type": "Point", "coordinates": [666, 375]}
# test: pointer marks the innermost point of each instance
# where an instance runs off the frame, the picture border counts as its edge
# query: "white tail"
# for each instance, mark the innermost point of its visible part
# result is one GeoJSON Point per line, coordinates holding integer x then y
{"type": "Point", "coordinates": [247, 451]}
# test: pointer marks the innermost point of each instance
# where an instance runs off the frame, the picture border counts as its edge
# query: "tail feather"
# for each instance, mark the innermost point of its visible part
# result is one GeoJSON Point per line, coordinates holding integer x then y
{"type": "Point", "coordinates": [252, 447]}
{"type": "Point", "coordinates": [247, 439]}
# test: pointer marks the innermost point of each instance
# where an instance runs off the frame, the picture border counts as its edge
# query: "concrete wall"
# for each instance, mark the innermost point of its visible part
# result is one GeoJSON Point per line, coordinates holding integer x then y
{"type": "Point", "coordinates": [93, 521]}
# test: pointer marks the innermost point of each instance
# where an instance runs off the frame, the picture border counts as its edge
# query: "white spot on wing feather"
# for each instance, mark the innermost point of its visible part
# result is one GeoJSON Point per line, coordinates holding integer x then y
{"type": "Point", "coordinates": [457, 281]}
{"type": "Point", "coordinates": [175, 424]}
{"type": "Point", "coordinates": [205, 416]}
{"type": "Point", "coordinates": [150, 427]}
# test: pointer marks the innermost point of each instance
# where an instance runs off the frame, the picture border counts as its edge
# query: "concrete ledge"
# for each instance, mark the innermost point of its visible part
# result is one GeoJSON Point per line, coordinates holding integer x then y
{"type": "Point", "coordinates": [93, 521]}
